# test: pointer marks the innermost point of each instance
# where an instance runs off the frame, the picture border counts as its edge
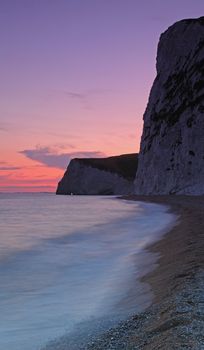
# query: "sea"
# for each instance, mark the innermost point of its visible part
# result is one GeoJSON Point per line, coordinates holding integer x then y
{"type": "Point", "coordinates": [71, 266]}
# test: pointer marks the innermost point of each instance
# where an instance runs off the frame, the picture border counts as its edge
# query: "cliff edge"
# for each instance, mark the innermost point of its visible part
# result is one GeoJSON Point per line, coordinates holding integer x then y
{"type": "Point", "coordinates": [99, 176]}
{"type": "Point", "coordinates": [171, 159]}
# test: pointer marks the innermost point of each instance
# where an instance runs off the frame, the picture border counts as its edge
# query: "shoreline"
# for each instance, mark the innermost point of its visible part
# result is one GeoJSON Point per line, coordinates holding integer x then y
{"type": "Point", "coordinates": [175, 320]}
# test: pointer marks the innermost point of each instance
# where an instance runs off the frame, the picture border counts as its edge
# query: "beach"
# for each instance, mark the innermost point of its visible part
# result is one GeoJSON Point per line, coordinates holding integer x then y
{"type": "Point", "coordinates": [140, 266]}
{"type": "Point", "coordinates": [175, 320]}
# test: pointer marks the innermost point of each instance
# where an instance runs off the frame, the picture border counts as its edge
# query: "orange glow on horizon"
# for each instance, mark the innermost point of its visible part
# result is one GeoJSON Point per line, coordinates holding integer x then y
{"type": "Point", "coordinates": [29, 168]}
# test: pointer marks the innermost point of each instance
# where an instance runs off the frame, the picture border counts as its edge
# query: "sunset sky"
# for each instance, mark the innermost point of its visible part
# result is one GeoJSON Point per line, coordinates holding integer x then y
{"type": "Point", "coordinates": [75, 80]}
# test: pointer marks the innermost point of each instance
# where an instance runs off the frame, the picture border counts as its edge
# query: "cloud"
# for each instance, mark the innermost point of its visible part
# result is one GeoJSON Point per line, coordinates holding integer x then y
{"type": "Point", "coordinates": [6, 168]}
{"type": "Point", "coordinates": [51, 158]}
{"type": "Point", "coordinates": [86, 93]}
{"type": "Point", "coordinates": [87, 98]}
{"type": "Point", "coordinates": [76, 95]}
{"type": "Point", "coordinates": [82, 98]}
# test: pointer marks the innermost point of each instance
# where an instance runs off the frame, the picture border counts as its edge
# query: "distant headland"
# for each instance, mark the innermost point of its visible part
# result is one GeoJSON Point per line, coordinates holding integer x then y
{"type": "Point", "coordinates": [100, 176]}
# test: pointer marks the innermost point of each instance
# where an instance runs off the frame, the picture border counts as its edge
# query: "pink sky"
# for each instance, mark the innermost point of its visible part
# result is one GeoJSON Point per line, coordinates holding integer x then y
{"type": "Point", "coordinates": [75, 79]}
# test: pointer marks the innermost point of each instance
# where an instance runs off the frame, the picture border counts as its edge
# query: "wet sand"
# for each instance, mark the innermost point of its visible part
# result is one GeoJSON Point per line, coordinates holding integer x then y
{"type": "Point", "coordinates": [175, 320]}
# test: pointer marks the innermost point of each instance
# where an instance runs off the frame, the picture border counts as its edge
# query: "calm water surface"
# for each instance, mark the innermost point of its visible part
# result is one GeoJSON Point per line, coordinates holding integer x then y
{"type": "Point", "coordinates": [69, 261]}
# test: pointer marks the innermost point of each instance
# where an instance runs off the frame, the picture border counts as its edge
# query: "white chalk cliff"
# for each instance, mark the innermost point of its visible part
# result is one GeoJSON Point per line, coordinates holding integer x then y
{"type": "Point", "coordinates": [171, 159]}
{"type": "Point", "coordinates": [99, 176]}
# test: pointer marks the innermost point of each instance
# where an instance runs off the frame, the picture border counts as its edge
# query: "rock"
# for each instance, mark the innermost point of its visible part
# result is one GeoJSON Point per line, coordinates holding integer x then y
{"type": "Point", "coordinates": [100, 176]}
{"type": "Point", "coordinates": [171, 159]}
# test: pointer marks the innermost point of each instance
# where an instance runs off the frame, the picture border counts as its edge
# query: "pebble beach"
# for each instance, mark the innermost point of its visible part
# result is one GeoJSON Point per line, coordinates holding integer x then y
{"type": "Point", "coordinates": [175, 320]}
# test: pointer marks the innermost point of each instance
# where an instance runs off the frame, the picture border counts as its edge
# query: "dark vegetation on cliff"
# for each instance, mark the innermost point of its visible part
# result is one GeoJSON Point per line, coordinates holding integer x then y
{"type": "Point", "coordinates": [124, 165]}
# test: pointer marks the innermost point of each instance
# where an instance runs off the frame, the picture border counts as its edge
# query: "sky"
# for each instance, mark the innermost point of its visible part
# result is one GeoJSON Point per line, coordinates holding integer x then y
{"type": "Point", "coordinates": [75, 79]}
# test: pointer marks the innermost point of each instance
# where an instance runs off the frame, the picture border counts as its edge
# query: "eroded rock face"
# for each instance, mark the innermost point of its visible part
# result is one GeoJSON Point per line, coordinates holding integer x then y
{"type": "Point", "coordinates": [171, 159]}
{"type": "Point", "coordinates": [99, 176]}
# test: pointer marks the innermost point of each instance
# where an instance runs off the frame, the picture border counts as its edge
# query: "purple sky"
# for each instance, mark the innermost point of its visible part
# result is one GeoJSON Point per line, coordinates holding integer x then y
{"type": "Point", "coordinates": [75, 77]}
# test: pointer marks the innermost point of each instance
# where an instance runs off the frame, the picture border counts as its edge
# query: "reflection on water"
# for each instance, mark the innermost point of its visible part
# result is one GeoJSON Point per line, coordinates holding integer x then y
{"type": "Point", "coordinates": [67, 260]}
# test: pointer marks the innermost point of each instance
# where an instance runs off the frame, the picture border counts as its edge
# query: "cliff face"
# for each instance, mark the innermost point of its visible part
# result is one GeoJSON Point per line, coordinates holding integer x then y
{"type": "Point", "coordinates": [171, 156]}
{"type": "Point", "coordinates": [100, 176]}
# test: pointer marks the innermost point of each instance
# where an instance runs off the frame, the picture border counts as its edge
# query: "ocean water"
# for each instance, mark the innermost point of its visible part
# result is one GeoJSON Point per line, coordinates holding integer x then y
{"type": "Point", "coordinates": [70, 263]}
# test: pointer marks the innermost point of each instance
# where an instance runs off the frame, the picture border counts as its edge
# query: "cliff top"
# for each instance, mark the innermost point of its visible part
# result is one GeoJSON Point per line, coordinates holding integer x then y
{"type": "Point", "coordinates": [124, 165]}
